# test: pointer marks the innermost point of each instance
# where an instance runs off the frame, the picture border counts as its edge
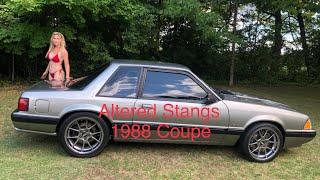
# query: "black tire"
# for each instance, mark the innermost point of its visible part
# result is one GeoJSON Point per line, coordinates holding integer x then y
{"type": "Point", "coordinates": [83, 120]}
{"type": "Point", "coordinates": [252, 136]}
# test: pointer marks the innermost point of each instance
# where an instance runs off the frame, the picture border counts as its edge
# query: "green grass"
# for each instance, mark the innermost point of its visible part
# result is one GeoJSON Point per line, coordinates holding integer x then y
{"type": "Point", "coordinates": [32, 156]}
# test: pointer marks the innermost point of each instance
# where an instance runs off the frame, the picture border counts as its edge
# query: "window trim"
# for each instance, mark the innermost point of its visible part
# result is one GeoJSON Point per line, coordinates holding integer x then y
{"type": "Point", "coordinates": [113, 74]}
{"type": "Point", "coordinates": [143, 80]}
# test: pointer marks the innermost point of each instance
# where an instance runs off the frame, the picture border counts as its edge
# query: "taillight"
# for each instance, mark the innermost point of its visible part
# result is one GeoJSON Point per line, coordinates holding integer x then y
{"type": "Point", "coordinates": [23, 104]}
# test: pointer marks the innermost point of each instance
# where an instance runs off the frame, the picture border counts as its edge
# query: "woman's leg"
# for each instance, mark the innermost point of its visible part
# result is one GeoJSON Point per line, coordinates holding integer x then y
{"type": "Point", "coordinates": [59, 75]}
{"type": "Point", "coordinates": [58, 80]}
{"type": "Point", "coordinates": [51, 76]}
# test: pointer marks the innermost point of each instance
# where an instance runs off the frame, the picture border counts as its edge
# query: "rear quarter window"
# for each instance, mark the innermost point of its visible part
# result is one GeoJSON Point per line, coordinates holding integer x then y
{"type": "Point", "coordinates": [123, 83]}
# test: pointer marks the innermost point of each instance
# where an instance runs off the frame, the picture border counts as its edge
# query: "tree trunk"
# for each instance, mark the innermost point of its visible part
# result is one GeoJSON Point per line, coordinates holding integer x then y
{"type": "Point", "coordinates": [158, 31]}
{"type": "Point", "coordinates": [277, 44]}
{"type": "Point", "coordinates": [12, 71]}
{"type": "Point", "coordinates": [256, 31]}
{"type": "Point", "coordinates": [233, 56]}
{"type": "Point", "coordinates": [305, 47]}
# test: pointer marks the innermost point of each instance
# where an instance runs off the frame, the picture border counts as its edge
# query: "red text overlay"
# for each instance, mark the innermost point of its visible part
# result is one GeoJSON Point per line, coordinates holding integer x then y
{"type": "Point", "coordinates": [163, 131]}
{"type": "Point", "coordinates": [169, 111]}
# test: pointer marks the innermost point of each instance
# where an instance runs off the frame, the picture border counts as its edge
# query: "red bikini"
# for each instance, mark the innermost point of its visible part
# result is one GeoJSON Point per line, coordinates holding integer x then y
{"type": "Point", "coordinates": [56, 60]}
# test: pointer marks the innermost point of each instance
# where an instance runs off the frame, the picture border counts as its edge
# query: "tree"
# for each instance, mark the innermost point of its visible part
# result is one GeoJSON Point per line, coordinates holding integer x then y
{"type": "Point", "coordinates": [234, 29]}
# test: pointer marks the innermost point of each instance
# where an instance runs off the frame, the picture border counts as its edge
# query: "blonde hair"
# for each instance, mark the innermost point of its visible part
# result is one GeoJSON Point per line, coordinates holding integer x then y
{"type": "Point", "coordinates": [62, 43]}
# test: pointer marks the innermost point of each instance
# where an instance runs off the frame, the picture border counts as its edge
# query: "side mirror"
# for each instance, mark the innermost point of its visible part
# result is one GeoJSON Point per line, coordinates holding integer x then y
{"type": "Point", "coordinates": [210, 99]}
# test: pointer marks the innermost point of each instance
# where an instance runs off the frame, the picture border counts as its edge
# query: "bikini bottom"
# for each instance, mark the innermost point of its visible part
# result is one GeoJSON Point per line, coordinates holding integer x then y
{"type": "Point", "coordinates": [52, 74]}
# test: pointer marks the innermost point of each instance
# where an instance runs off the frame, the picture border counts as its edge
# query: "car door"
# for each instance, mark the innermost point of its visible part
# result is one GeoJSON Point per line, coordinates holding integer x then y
{"type": "Point", "coordinates": [119, 94]}
{"type": "Point", "coordinates": [176, 102]}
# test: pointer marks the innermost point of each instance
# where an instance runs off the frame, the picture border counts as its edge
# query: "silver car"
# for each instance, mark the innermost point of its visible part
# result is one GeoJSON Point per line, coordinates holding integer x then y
{"type": "Point", "coordinates": [147, 101]}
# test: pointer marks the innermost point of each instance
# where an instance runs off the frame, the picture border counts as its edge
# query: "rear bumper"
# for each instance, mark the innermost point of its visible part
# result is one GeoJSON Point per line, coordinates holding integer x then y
{"type": "Point", "coordinates": [34, 123]}
{"type": "Point", "coordinates": [295, 138]}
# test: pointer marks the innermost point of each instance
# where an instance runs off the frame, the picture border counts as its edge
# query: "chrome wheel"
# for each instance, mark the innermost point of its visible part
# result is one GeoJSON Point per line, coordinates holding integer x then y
{"type": "Point", "coordinates": [264, 143]}
{"type": "Point", "coordinates": [83, 135]}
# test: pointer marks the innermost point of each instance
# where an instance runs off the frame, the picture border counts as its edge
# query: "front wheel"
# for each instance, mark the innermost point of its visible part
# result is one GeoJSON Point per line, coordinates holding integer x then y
{"type": "Point", "coordinates": [262, 142]}
{"type": "Point", "coordinates": [84, 134]}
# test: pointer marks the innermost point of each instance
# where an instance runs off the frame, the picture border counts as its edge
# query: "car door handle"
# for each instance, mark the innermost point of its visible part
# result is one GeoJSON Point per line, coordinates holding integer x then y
{"type": "Point", "coordinates": [146, 105]}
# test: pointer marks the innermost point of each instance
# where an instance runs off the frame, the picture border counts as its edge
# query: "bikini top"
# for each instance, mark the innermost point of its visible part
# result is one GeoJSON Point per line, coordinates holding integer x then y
{"type": "Point", "coordinates": [54, 58]}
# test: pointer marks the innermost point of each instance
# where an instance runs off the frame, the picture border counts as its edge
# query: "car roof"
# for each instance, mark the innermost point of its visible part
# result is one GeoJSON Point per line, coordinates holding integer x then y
{"type": "Point", "coordinates": [150, 63]}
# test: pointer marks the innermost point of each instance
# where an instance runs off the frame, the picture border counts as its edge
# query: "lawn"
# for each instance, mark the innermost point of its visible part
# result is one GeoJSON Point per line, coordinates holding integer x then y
{"type": "Point", "coordinates": [32, 156]}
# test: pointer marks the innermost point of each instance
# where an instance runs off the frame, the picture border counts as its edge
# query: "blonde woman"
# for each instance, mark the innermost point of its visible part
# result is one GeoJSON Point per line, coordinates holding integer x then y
{"type": "Point", "coordinates": [57, 54]}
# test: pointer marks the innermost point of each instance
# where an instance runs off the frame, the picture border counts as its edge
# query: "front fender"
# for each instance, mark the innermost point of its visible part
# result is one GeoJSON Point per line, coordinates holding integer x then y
{"type": "Point", "coordinates": [261, 118]}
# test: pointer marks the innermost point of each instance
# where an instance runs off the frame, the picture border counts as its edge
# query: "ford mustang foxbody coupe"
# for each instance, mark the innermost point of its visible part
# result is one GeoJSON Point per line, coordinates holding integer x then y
{"type": "Point", "coordinates": [146, 101]}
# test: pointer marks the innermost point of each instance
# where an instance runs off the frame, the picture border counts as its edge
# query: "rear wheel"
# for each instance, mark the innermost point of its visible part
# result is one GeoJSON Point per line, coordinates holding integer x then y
{"type": "Point", "coordinates": [262, 142]}
{"type": "Point", "coordinates": [84, 134]}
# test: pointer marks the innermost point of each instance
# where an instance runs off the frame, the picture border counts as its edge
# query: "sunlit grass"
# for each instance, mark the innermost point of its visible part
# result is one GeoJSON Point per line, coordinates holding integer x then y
{"type": "Point", "coordinates": [36, 156]}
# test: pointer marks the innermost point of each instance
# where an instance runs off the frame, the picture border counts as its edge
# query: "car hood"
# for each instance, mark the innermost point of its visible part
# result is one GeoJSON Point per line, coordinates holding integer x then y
{"type": "Point", "coordinates": [47, 86]}
{"type": "Point", "coordinates": [240, 97]}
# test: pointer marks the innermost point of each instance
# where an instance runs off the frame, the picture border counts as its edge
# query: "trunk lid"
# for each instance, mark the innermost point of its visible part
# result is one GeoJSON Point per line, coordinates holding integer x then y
{"type": "Point", "coordinates": [46, 85]}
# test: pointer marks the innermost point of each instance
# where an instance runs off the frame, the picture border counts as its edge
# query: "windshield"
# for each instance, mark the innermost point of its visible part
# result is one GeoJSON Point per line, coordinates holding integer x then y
{"type": "Point", "coordinates": [82, 82]}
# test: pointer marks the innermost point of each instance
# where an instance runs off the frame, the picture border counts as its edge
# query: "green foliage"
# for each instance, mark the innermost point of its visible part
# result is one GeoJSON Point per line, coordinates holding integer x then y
{"type": "Point", "coordinates": [196, 33]}
{"type": "Point", "coordinates": [91, 28]}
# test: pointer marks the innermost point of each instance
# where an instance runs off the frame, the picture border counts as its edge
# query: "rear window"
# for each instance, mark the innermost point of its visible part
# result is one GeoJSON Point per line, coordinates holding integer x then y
{"type": "Point", "coordinates": [82, 82]}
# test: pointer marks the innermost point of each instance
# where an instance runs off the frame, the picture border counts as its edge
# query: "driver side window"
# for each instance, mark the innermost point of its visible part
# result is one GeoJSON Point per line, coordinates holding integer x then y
{"type": "Point", "coordinates": [171, 85]}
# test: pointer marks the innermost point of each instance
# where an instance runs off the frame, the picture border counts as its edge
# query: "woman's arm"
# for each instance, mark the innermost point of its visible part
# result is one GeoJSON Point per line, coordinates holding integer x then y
{"type": "Point", "coordinates": [44, 75]}
{"type": "Point", "coordinates": [47, 53]}
{"type": "Point", "coordinates": [47, 69]}
{"type": "Point", "coordinates": [66, 64]}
